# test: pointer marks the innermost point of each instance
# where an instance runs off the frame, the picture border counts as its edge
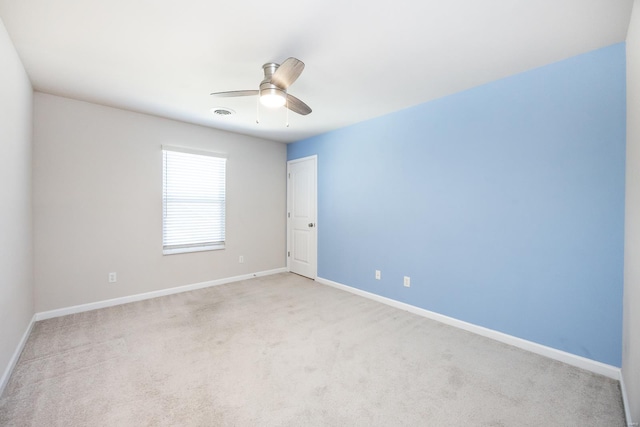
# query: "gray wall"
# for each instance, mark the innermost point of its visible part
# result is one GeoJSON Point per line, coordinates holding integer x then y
{"type": "Point", "coordinates": [98, 203]}
{"type": "Point", "coordinates": [631, 317]}
{"type": "Point", "coordinates": [16, 254]}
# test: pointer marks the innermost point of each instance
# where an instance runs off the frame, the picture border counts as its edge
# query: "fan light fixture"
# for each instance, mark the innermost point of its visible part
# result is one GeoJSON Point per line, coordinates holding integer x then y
{"type": "Point", "coordinates": [272, 97]}
{"type": "Point", "coordinates": [272, 91]}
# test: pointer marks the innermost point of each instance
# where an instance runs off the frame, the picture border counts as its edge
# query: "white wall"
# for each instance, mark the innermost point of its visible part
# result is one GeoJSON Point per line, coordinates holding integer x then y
{"type": "Point", "coordinates": [16, 254]}
{"type": "Point", "coordinates": [631, 318]}
{"type": "Point", "coordinates": [98, 203]}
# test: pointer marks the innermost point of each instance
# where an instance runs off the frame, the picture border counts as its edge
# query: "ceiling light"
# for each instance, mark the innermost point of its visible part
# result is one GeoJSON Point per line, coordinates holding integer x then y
{"type": "Point", "coordinates": [272, 97]}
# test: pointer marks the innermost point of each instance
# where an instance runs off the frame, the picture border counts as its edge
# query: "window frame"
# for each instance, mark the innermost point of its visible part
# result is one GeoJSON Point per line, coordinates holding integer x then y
{"type": "Point", "coordinates": [194, 246]}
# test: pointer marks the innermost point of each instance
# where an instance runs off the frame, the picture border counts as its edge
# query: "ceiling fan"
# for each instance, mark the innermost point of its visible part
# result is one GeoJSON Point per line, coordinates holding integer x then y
{"type": "Point", "coordinates": [273, 88]}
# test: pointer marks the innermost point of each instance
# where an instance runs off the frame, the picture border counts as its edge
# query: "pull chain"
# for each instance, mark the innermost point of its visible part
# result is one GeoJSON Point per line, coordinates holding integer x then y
{"type": "Point", "coordinates": [287, 98]}
{"type": "Point", "coordinates": [258, 110]}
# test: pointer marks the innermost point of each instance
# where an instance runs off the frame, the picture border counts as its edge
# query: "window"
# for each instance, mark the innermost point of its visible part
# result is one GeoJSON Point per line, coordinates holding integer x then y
{"type": "Point", "coordinates": [193, 200]}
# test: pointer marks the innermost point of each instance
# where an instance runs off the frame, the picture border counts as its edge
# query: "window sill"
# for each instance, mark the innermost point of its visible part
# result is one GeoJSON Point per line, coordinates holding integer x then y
{"type": "Point", "coordinates": [193, 249]}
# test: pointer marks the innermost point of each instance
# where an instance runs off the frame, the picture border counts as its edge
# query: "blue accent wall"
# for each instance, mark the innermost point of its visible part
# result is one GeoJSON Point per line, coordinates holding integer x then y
{"type": "Point", "coordinates": [503, 203]}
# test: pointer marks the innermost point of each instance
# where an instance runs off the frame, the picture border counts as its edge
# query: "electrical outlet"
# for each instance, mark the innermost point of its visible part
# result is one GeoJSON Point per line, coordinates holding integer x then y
{"type": "Point", "coordinates": [377, 274]}
{"type": "Point", "coordinates": [113, 277]}
{"type": "Point", "coordinates": [407, 281]}
{"type": "Point", "coordinates": [241, 259]}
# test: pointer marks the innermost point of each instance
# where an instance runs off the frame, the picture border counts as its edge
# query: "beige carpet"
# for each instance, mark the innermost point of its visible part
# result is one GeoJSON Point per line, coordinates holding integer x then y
{"type": "Point", "coordinates": [284, 351]}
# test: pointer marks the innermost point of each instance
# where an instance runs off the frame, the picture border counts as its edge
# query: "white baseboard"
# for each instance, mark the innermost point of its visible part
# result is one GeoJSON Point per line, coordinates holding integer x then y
{"type": "Point", "coordinates": [552, 353]}
{"type": "Point", "coordinates": [625, 402]}
{"type": "Point", "coordinates": [148, 295]}
{"type": "Point", "coordinates": [16, 355]}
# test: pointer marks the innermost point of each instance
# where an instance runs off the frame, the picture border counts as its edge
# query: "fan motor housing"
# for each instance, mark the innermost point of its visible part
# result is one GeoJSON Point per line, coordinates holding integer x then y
{"type": "Point", "coordinates": [266, 87]}
{"type": "Point", "coordinates": [269, 68]}
{"type": "Point", "coordinates": [271, 94]}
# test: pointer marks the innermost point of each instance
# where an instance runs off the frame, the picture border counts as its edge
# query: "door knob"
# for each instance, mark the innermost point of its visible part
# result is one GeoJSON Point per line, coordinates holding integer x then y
{"type": "Point", "coordinates": [311, 224]}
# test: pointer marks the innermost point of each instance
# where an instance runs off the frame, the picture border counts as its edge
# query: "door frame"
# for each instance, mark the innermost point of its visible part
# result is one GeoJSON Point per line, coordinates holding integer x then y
{"type": "Point", "coordinates": [313, 157]}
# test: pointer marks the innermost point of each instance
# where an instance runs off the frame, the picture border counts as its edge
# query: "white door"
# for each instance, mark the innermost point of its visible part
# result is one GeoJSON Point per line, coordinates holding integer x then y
{"type": "Point", "coordinates": [302, 234]}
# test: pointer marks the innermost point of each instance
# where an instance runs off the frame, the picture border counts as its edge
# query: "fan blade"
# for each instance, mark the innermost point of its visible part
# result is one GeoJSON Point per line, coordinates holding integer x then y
{"type": "Point", "coordinates": [287, 73]}
{"type": "Point", "coordinates": [297, 106]}
{"type": "Point", "coordinates": [235, 93]}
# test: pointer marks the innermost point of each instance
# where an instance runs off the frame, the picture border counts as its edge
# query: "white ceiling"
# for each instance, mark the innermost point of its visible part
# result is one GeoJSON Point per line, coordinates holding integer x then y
{"type": "Point", "coordinates": [363, 58]}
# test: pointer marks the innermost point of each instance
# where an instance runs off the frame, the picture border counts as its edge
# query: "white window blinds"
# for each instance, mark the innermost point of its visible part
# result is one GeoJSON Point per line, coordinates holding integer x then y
{"type": "Point", "coordinates": [193, 201]}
